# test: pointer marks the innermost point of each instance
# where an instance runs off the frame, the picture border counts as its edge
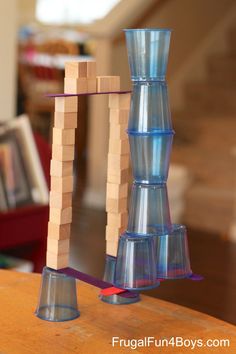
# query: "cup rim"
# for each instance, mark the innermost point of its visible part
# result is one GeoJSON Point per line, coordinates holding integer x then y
{"type": "Point", "coordinates": [147, 30]}
{"type": "Point", "coordinates": [160, 132]}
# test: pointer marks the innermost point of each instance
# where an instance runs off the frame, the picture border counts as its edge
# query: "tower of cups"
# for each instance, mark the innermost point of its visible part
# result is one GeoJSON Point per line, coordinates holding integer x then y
{"type": "Point", "coordinates": [152, 247]}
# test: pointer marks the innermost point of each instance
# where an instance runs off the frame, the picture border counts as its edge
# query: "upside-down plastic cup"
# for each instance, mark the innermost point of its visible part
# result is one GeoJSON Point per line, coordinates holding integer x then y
{"type": "Point", "coordinates": [58, 300]}
{"type": "Point", "coordinates": [136, 263]}
{"type": "Point", "coordinates": [149, 108]}
{"type": "Point", "coordinates": [150, 155]}
{"type": "Point", "coordinates": [148, 51]}
{"type": "Point", "coordinates": [172, 254]}
{"type": "Point", "coordinates": [109, 277]}
{"type": "Point", "coordinates": [149, 212]}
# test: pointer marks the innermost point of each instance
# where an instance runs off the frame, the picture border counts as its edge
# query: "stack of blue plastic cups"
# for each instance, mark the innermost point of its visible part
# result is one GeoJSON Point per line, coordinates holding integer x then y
{"type": "Point", "coordinates": [152, 247]}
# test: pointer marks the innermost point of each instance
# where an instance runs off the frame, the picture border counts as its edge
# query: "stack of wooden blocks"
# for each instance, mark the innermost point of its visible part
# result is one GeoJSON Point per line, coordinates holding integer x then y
{"type": "Point", "coordinates": [60, 218]}
{"type": "Point", "coordinates": [117, 171]}
{"type": "Point", "coordinates": [80, 78]}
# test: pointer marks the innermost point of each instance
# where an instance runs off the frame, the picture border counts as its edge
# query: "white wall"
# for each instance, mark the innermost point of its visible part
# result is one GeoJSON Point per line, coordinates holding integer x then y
{"type": "Point", "coordinates": [8, 33]}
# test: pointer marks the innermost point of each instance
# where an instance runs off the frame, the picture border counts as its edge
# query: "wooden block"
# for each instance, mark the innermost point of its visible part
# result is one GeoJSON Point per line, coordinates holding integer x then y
{"type": "Point", "coordinates": [65, 120]}
{"type": "Point", "coordinates": [117, 172]}
{"type": "Point", "coordinates": [62, 184]}
{"type": "Point", "coordinates": [119, 101]}
{"type": "Point", "coordinates": [60, 200]}
{"type": "Point", "coordinates": [108, 83]}
{"type": "Point", "coordinates": [75, 85]}
{"type": "Point", "coordinates": [91, 85]}
{"type": "Point", "coordinates": [117, 219]}
{"type": "Point", "coordinates": [75, 69]}
{"type": "Point", "coordinates": [91, 69]}
{"type": "Point", "coordinates": [119, 147]}
{"type": "Point", "coordinates": [66, 104]}
{"type": "Point", "coordinates": [63, 136]}
{"type": "Point", "coordinates": [61, 168]}
{"type": "Point", "coordinates": [59, 232]}
{"type": "Point", "coordinates": [118, 132]}
{"type": "Point", "coordinates": [118, 177]}
{"type": "Point", "coordinates": [111, 248]}
{"type": "Point", "coordinates": [103, 83]}
{"type": "Point", "coordinates": [63, 153]}
{"type": "Point", "coordinates": [58, 246]}
{"type": "Point", "coordinates": [78, 69]}
{"type": "Point", "coordinates": [55, 261]}
{"type": "Point", "coordinates": [120, 162]}
{"type": "Point", "coordinates": [60, 216]}
{"type": "Point", "coordinates": [113, 233]}
{"type": "Point", "coordinates": [116, 205]}
{"type": "Point", "coordinates": [117, 190]}
{"type": "Point", "coordinates": [115, 83]}
{"type": "Point", "coordinates": [119, 116]}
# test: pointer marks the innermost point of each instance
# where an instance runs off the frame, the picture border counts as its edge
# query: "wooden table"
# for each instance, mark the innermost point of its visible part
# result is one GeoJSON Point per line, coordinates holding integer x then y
{"type": "Point", "coordinates": [22, 332]}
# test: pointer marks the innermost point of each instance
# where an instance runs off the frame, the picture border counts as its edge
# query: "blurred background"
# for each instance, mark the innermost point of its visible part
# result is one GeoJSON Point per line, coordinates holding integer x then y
{"type": "Point", "coordinates": [36, 38]}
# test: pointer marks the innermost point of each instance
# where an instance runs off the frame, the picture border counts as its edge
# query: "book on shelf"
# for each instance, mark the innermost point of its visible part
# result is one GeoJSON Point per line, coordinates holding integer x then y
{"type": "Point", "coordinates": [22, 179]}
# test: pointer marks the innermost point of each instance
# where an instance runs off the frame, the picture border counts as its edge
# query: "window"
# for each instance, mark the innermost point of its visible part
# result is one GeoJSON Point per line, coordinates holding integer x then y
{"type": "Point", "coordinates": [73, 11]}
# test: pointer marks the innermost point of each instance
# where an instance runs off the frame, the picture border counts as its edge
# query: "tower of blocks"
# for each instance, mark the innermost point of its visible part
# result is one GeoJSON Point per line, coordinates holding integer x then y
{"type": "Point", "coordinates": [81, 78]}
{"type": "Point", "coordinates": [117, 171]}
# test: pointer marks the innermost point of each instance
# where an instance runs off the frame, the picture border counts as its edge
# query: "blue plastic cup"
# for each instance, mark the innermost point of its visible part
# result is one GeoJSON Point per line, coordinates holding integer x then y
{"type": "Point", "coordinates": [109, 276]}
{"type": "Point", "coordinates": [149, 212]}
{"type": "Point", "coordinates": [58, 300]}
{"type": "Point", "coordinates": [148, 51]}
{"type": "Point", "coordinates": [149, 109]}
{"type": "Point", "coordinates": [136, 263]}
{"type": "Point", "coordinates": [150, 155]}
{"type": "Point", "coordinates": [172, 254]}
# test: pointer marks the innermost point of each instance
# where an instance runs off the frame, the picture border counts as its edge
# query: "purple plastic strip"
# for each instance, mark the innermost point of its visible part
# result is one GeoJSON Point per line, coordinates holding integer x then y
{"type": "Point", "coordinates": [85, 94]}
{"type": "Point", "coordinates": [94, 281]}
{"type": "Point", "coordinates": [196, 277]}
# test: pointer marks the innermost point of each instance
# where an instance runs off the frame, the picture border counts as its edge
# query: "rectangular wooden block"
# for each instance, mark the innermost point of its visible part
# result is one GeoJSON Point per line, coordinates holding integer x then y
{"type": "Point", "coordinates": [58, 247]}
{"type": "Point", "coordinates": [59, 232]}
{"type": "Point", "coordinates": [75, 69]}
{"type": "Point", "coordinates": [119, 147]}
{"type": "Point", "coordinates": [91, 69]}
{"type": "Point", "coordinates": [63, 153]}
{"type": "Point", "coordinates": [117, 190]}
{"type": "Point", "coordinates": [117, 219]}
{"type": "Point", "coordinates": [119, 101]}
{"type": "Point", "coordinates": [118, 132]}
{"type": "Point", "coordinates": [111, 248]}
{"type": "Point", "coordinates": [116, 177]}
{"type": "Point", "coordinates": [65, 120]}
{"type": "Point", "coordinates": [61, 168]}
{"type": "Point", "coordinates": [63, 136]}
{"type": "Point", "coordinates": [120, 162]}
{"type": "Point", "coordinates": [91, 85]}
{"type": "Point", "coordinates": [62, 184]}
{"type": "Point", "coordinates": [75, 85]}
{"type": "Point", "coordinates": [66, 104]}
{"type": "Point", "coordinates": [55, 261]}
{"type": "Point", "coordinates": [108, 83]}
{"type": "Point", "coordinates": [119, 116]}
{"type": "Point", "coordinates": [113, 233]}
{"type": "Point", "coordinates": [60, 200]}
{"type": "Point", "coordinates": [60, 216]}
{"type": "Point", "coordinates": [115, 83]}
{"type": "Point", "coordinates": [116, 205]}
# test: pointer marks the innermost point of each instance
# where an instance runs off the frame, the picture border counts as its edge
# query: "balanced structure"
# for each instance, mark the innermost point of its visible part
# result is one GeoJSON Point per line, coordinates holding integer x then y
{"type": "Point", "coordinates": [144, 246]}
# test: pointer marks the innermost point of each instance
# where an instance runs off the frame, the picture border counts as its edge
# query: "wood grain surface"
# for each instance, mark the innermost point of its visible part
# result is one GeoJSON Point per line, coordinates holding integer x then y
{"type": "Point", "coordinates": [22, 332]}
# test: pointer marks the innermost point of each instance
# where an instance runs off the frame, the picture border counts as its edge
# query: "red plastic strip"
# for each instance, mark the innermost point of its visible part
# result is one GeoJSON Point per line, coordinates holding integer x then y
{"type": "Point", "coordinates": [111, 291]}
